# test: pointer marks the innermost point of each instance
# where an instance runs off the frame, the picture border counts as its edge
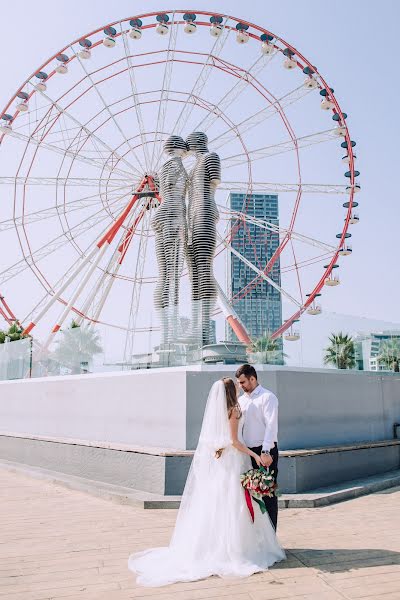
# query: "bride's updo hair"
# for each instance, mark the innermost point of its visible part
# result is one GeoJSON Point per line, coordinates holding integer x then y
{"type": "Point", "coordinates": [231, 397]}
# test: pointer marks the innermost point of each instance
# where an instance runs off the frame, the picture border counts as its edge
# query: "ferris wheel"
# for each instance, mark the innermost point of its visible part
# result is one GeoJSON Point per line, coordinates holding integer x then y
{"type": "Point", "coordinates": [81, 143]}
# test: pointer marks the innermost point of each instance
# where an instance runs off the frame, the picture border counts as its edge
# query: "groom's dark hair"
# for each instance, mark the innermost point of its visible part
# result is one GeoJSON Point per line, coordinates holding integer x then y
{"type": "Point", "coordinates": [246, 370]}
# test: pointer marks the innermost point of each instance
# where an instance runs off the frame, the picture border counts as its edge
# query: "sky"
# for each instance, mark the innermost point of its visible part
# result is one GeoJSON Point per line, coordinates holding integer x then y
{"type": "Point", "coordinates": [354, 46]}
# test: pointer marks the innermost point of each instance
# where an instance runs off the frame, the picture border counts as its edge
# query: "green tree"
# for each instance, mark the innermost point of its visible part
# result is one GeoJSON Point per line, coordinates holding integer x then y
{"type": "Point", "coordinates": [268, 351]}
{"type": "Point", "coordinates": [14, 333]}
{"type": "Point", "coordinates": [77, 345]}
{"type": "Point", "coordinates": [341, 351]}
{"type": "Point", "coordinates": [389, 354]}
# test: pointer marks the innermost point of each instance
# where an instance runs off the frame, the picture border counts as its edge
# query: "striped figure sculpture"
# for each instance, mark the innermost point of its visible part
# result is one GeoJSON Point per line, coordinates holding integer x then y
{"type": "Point", "coordinates": [169, 225]}
{"type": "Point", "coordinates": [202, 233]}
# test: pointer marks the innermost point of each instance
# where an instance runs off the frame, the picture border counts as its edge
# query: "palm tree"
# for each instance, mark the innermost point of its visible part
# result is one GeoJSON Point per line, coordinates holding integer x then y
{"type": "Point", "coordinates": [389, 354]}
{"type": "Point", "coordinates": [77, 346]}
{"type": "Point", "coordinates": [266, 350]}
{"type": "Point", "coordinates": [341, 351]}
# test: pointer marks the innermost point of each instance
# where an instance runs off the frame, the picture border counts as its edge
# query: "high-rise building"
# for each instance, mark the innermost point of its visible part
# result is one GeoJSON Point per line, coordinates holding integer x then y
{"type": "Point", "coordinates": [260, 309]}
{"type": "Point", "coordinates": [371, 350]}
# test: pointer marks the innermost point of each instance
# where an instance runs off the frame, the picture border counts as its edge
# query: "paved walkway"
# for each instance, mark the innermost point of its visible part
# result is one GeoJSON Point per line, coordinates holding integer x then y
{"type": "Point", "coordinates": [61, 544]}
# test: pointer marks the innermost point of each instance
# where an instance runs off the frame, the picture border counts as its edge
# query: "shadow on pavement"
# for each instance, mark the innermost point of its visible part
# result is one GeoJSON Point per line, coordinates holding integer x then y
{"type": "Point", "coordinates": [335, 560]}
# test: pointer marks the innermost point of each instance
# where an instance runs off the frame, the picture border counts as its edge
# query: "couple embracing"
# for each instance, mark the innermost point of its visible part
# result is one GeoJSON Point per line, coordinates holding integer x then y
{"type": "Point", "coordinates": [214, 533]}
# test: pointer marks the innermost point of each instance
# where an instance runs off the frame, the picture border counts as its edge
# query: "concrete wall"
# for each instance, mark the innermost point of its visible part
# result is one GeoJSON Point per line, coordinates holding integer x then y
{"type": "Point", "coordinates": [320, 408]}
{"type": "Point", "coordinates": [147, 409]}
{"type": "Point", "coordinates": [157, 474]}
{"type": "Point", "coordinates": [317, 407]}
{"type": "Point", "coordinates": [309, 472]}
{"type": "Point", "coordinates": [163, 407]}
{"type": "Point", "coordinates": [166, 473]}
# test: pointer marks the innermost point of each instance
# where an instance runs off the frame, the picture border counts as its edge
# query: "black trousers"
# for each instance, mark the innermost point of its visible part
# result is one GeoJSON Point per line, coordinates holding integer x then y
{"type": "Point", "coordinates": [271, 504]}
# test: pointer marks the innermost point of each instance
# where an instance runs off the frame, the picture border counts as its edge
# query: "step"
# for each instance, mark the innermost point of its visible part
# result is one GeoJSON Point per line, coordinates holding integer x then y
{"type": "Point", "coordinates": [123, 495]}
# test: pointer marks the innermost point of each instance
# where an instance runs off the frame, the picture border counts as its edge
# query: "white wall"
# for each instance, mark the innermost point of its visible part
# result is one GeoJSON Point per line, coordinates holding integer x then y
{"type": "Point", "coordinates": [142, 408]}
{"type": "Point", "coordinates": [163, 408]}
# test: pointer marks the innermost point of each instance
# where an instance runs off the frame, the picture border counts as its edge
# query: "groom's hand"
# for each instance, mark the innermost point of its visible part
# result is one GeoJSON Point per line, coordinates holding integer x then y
{"type": "Point", "coordinates": [266, 460]}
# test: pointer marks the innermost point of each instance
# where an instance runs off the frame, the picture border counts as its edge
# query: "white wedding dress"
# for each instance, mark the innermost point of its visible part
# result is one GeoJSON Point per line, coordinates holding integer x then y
{"type": "Point", "coordinates": [214, 533]}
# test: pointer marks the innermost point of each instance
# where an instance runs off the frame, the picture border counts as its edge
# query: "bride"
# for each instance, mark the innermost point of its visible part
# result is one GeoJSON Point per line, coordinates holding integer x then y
{"type": "Point", "coordinates": [214, 533]}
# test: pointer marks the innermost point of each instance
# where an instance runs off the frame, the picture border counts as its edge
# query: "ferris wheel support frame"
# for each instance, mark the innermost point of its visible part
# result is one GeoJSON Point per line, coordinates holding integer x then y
{"type": "Point", "coordinates": [112, 269]}
{"type": "Point", "coordinates": [232, 317]}
{"type": "Point", "coordinates": [104, 241]}
{"type": "Point", "coordinates": [6, 312]}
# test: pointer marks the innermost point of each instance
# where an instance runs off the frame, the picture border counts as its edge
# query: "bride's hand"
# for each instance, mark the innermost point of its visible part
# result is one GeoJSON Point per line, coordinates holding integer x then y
{"type": "Point", "coordinates": [258, 460]}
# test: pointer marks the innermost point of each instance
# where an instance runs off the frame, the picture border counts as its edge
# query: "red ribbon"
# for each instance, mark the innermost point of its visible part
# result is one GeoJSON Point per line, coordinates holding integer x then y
{"type": "Point", "coordinates": [249, 503]}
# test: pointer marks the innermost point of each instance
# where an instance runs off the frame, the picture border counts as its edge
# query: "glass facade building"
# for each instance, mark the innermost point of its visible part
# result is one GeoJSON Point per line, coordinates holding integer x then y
{"type": "Point", "coordinates": [371, 348]}
{"type": "Point", "coordinates": [260, 309]}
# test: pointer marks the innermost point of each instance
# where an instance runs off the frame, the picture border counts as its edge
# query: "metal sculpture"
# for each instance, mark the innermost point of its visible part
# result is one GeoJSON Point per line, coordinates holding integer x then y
{"type": "Point", "coordinates": [169, 224]}
{"type": "Point", "coordinates": [202, 233]}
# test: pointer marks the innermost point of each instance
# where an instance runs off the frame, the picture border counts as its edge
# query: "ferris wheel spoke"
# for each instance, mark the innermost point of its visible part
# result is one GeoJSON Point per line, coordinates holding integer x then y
{"type": "Point", "coordinates": [259, 272]}
{"type": "Point", "coordinates": [269, 187]}
{"type": "Point", "coordinates": [65, 181]}
{"type": "Point", "coordinates": [136, 103]}
{"type": "Point", "coordinates": [62, 138]}
{"type": "Point", "coordinates": [202, 79]}
{"type": "Point", "coordinates": [44, 251]}
{"type": "Point", "coordinates": [58, 284]}
{"type": "Point", "coordinates": [101, 290]}
{"type": "Point", "coordinates": [234, 93]}
{"type": "Point", "coordinates": [56, 243]}
{"type": "Point", "coordinates": [63, 131]}
{"type": "Point", "coordinates": [44, 126]}
{"type": "Point", "coordinates": [259, 117]}
{"type": "Point", "coordinates": [32, 120]}
{"type": "Point", "coordinates": [306, 262]}
{"type": "Point", "coordinates": [165, 91]}
{"type": "Point", "coordinates": [291, 145]}
{"type": "Point", "coordinates": [90, 269]}
{"type": "Point", "coordinates": [48, 213]}
{"type": "Point", "coordinates": [62, 112]}
{"type": "Point", "coordinates": [89, 263]}
{"type": "Point", "coordinates": [296, 268]}
{"type": "Point", "coordinates": [43, 117]}
{"type": "Point", "coordinates": [275, 228]}
{"type": "Point", "coordinates": [294, 235]}
{"type": "Point", "coordinates": [96, 88]}
{"type": "Point", "coordinates": [100, 295]}
{"type": "Point", "coordinates": [75, 155]}
{"type": "Point", "coordinates": [136, 289]}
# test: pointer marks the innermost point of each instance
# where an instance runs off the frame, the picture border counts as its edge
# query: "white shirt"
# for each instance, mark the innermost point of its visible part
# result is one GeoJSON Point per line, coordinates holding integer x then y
{"type": "Point", "coordinates": [260, 410]}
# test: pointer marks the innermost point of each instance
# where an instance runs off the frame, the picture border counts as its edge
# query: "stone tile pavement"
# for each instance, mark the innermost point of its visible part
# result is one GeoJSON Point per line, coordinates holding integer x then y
{"type": "Point", "coordinates": [61, 544]}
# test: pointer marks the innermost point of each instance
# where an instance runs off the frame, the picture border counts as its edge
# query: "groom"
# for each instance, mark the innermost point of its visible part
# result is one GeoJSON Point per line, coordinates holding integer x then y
{"type": "Point", "coordinates": [260, 431]}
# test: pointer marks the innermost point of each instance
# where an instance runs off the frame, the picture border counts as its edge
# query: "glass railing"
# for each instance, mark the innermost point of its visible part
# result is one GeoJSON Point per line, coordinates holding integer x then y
{"type": "Point", "coordinates": [320, 340]}
{"type": "Point", "coordinates": [16, 359]}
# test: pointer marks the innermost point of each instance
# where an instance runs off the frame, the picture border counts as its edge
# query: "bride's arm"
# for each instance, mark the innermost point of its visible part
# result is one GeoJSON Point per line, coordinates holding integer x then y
{"type": "Point", "coordinates": [234, 424]}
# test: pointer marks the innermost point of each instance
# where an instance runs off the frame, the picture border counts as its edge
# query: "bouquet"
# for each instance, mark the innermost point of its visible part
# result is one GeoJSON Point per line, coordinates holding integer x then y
{"type": "Point", "coordinates": [258, 483]}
